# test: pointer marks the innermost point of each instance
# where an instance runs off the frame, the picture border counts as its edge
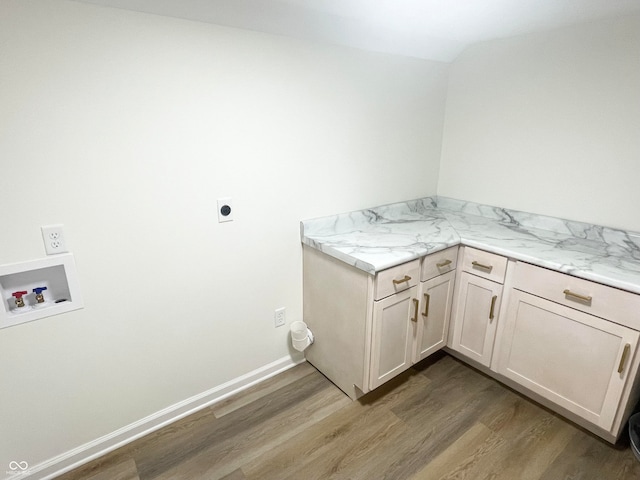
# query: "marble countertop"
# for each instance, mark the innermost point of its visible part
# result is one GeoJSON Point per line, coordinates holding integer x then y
{"type": "Point", "coordinates": [382, 237]}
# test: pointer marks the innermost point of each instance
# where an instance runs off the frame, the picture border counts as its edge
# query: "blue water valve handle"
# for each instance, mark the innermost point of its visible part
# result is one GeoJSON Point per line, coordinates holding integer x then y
{"type": "Point", "coordinates": [39, 290]}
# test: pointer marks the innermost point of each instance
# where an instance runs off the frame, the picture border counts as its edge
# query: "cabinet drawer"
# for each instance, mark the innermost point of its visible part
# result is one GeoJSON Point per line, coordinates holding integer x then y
{"type": "Point", "coordinates": [439, 263]}
{"type": "Point", "coordinates": [590, 297]}
{"type": "Point", "coordinates": [397, 279]}
{"type": "Point", "coordinates": [484, 264]}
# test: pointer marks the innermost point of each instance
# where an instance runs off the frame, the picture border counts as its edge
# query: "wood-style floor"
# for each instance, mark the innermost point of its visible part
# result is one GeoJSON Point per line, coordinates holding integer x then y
{"type": "Point", "coordinates": [439, 420]}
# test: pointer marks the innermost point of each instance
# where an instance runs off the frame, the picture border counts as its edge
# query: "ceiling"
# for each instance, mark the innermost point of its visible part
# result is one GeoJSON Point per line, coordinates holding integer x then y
{"type": "Point", "coordinates": [430, 29]}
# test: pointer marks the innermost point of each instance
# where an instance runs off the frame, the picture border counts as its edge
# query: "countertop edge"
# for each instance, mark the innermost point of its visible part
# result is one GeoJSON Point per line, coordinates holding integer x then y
{"type": "Point", "coordinates": [511, 254]}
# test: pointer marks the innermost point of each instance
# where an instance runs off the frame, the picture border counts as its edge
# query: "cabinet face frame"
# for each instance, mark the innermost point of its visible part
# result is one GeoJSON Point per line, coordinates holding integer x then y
{"type": "Point", "coordinates": [440, 291]}
{"type": "Point", "coordinates": [470, 315]}
{"type": "Point", "coordinates": [614, 394]}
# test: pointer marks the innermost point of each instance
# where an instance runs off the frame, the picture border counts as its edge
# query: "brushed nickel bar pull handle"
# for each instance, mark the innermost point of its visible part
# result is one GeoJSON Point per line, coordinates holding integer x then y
{"type": "Point", "coordinates": [443, 264]}
{"type": "Point", "coordinates": [625, 354]}
{"type": "Point", "coordinates": [405, 279]}
{"type": "Point", "coordinates": [427, 298]}
{"type": "Point", "coordinates": [575, 296]}
{"type": "Point", "coordinates": [493, 306]}
{"type": "Point", "coordinates": [416, 307]}
{"type": "Point", "coordinates": [488, 268]}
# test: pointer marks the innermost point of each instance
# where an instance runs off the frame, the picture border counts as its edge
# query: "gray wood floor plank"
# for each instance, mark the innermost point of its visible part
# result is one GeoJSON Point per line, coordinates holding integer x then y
{"type": "Point", "coordinates": [586, 458]}
{"type": "Point", "coordinates": [250, 431]}
{"type": "Point", "coordinates": [337, 435]}
{"type": "Point", "coordinates": [461, 459]}
{"type": "Point", "coordinates": [110, 467]}
{"type": "Point", "coordinates": [262, 389]}
{"type": "Point", "coordinates": [441, 420]}
{"type": "Point", "coordinates": [235, 475]}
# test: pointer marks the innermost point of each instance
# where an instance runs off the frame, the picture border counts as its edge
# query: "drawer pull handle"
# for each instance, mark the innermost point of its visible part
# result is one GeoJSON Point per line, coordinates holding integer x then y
{"type": "Point", "coordinates": [405, 279]}
{"type": "Point", "coordinates": [416, 307]}
{"type": "Point", "coordinates": [426, 305]}
{"type": "Point", "coordinates": [625, 354]}
{"type": "Point", "coordinates": [575, 296]}
{"type": "Point", "coordinates": [493, 306]}
{"type": "Point", "coordinates": [443, 264]}
{"type": "Point", "coordinates": [488, 268]}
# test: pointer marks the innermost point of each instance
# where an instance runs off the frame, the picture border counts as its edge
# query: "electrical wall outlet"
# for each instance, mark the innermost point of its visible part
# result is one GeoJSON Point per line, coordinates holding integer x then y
{"type": "Point", "coordinates": [225, 210]}
{"type": "Point", "coordinates": [53, 236]}
{"type": "Point", "coordinates": [280, 317]}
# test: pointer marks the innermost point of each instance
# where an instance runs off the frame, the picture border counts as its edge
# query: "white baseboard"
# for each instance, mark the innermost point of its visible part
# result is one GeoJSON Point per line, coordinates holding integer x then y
{"type": "Point", "coordinates": [89, 451]}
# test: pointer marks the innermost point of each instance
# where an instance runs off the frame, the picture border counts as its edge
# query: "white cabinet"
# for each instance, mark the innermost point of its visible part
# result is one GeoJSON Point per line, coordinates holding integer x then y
{"type": "Point", "coordinates": [572, 342]}
{"type": "Point", "coordinates": [369, 329]}
{"type": "Point", "coordinates": [432, 326]}
{"type": "Point", "coordinates": [395, 310]}
{"type": "Point", "coordinates": [477, 304]}
{"type": "Point", "coordinates": [411, 325]}
{"type": "Point", "coordinates": [576, 360]}
{"type": "Point", "coordinates": [569, 343]}
{"type": "Point", "coordinates": [394, 330]}
{"type": "Point", "coordinates": [437, 276]}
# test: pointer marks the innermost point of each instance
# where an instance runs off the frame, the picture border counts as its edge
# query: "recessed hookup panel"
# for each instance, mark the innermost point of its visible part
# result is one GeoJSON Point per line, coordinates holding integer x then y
{"type": "Point", "coordinates": [38, 289]}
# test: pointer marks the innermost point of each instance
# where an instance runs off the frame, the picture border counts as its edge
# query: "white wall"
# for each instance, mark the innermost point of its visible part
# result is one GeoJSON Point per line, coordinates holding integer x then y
{"type": "Point", "coordinates": [126, 128]}
{"type": "Point", "coordinates": [549, 123]}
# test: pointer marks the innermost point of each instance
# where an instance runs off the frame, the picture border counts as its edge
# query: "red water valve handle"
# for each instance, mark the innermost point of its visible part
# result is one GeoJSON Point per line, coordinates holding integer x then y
{"type": "Point", "coordinates": [18, 294]}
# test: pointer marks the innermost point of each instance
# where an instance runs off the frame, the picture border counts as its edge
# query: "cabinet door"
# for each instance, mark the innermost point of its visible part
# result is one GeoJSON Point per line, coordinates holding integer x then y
{"type": "Point", "coordinates": [435, 310]}
{"type": "Point", "coordinates": [394, 328]}
{"type": "Point", "coordinates": [476, 317]}
{"type": "Point", "coordinates": [578, 361]}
